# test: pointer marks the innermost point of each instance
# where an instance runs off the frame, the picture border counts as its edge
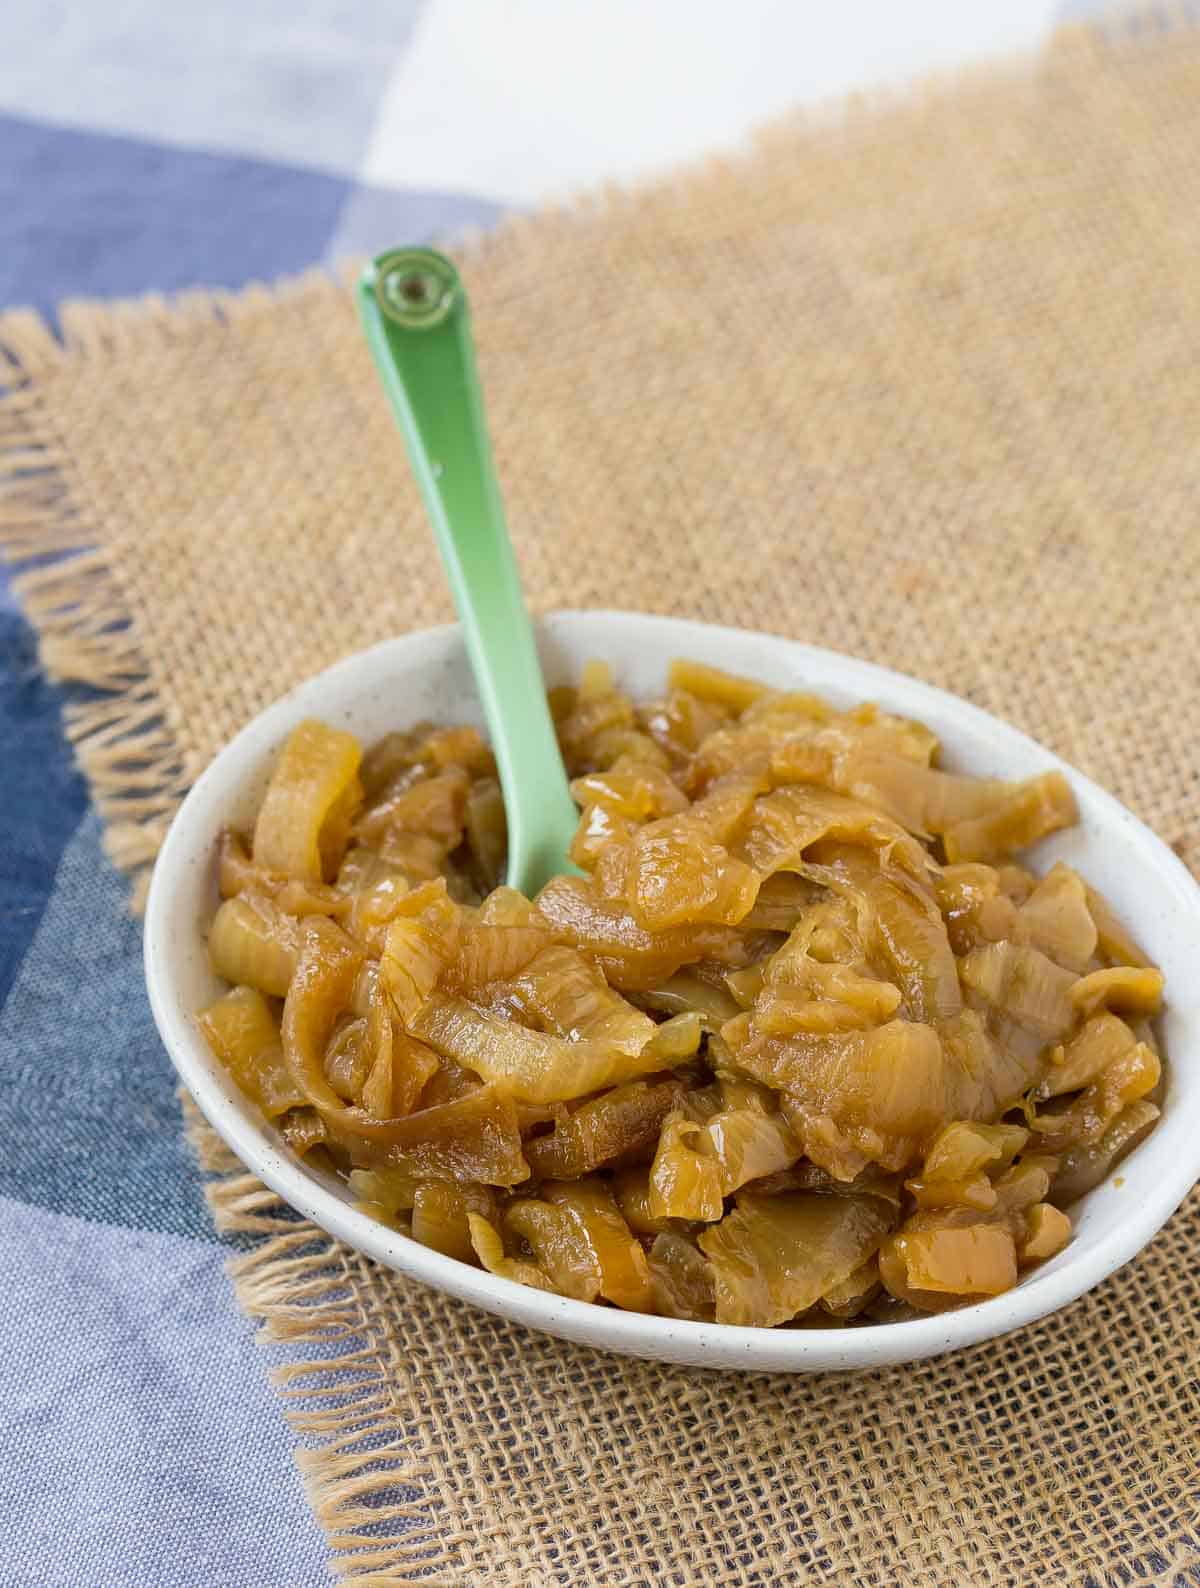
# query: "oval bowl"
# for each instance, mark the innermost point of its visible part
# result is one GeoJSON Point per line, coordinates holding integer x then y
{"type": "Point", "coordinates": [426, 675]}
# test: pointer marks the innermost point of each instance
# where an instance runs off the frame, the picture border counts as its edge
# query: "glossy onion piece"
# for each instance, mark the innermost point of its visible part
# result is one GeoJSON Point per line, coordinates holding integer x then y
{"type": "Point", "coordinates": [441, 1213]}
{"type": "Point", "coordinates": [386, 1192]}
{"type": "Point", "coordinates": [1121, 987]}
{"type": "Point", "coordinates": [789, 711]}
{"type": "Point", "coordinates": [304, 821]}
{"type": "Point", "coordinates": [686, 993]}
{"type": "Point", "coordinates": [678, 868]}
{"type": "Point", "coordinates": [987, 1075]}
{"type": "Point", "coordinates": [594, 729]}
{"type": "Point", "coordinates": [700, 1162]}
{"type": "Point", "coordinates": [237, 873]}
{"type": "Point", "coordinates": [433, 806]}
{"type": "Point", "coordinates": [1084, 1166]}
{"type": "Point", "coordinates": [959, 1162]}
{"type": "Point", "coordinates": [676, 1039]}
{"type": "Point", "coordinates": [374, 888]}
{"type": "Point", "coordinates": [780, 902]}
{"type": "Point", "coordinates": [623, 1121]}
{"type": "Point", "coordinates": [881, 1092]}
{"type": "Point", "coordinates": [449, 1082]}
{"type": "Point", "coordinates": [377, 1094]}
{"type": "Point", "coordinates": [885, 762]}
{"type": "Point", "coordinates": [631, 1187]}
{"type": "Point", "coordinates": [629, 955]}
{"type": "Point", "coordinates": [904, 926]}
{"type": "Point", "coordinates": [800, 993]}
{"type": "Point", "coordinates": [419, 751]}
{"type": "Point", "coordinates": [921, 798]}
{"type": "Point", "coordinates": [624, 1273]}
{"type": "Point", "coordinates": [473, 1139]}
{"type": "Point", "coordinates": [568, 996]}
{"type": "Point", "coordinates": [561, 1245]}
{"type": "Point", "coordinates": [978, 1260]}
{"type": "Point", "coordinates": [488, 954]}
{"type": "Point", "coordinates": [348, 1057]}
{"type": "Point", "coordinates": [400, 1065]}
{"type": "Point", "coordinates": [750, 1144]}
{"type": "Point", "coordinates": [507, 907]}
{"type": "Point", "coordinates": [241, 1031]}
{"type": "Point", "coordinates": [235, 870]}
{"type": "Point", "coordinates": [394, 754]}
{"type": "Point", "coordinates": [791, 820]}
{"type": "Point", "coordinates": [774, 1257]}
{"type": "Point", "coordinates": [873, 757]}
{"type": "Point", "coordinates": [678, 875]}
{"type": "Point", "coordinates": [944, 1255]}
{"type": "Point", "coordinates": [680, 724]}
{"type": "Point", "coordinates": [567, 1033]}
{"type": "Point", "coordinates": [320, 991]}
{"type": "Point", "coordinates": [1098, 1043]}
{"type": "Point", "coordinates": [488, 1246]}
{"type": "Point", "coordinates": [1017, 1188]}
{"type": "Point", "coordinates": [632, 789]}
{"type": "Point", "coordinates": [711, 683]}
{"type": "Point", "coordinates": [534, 1066]}
{"type": "Point", "coordinates": [1129, 1078]}
{"type": "Point", "coordinates": [303, 1129]}
{"type": "Point", "coordinates": [681, 1278]}
{"type": "Point", "coordinates": [974, 906]}
{"type": "Point", "coordinates": [854, 1293]}
{"type": "Point", "coordinates": [686, 1179]}
{"type": "Point", "coordinates": [1035, 809]}
{"type": "Point", "coordinates": [1047, 1231]}
{"type": "Point", "coordinates": [601, 846]}
{"type": "Point", "coordinates": [421, 941]}
{"type": "Point", "coordinates": [1056, 919]}
{"type": "Point", "coordinates": [253, 943]}
{"type": "Point", "coordinates": [1025, 992]}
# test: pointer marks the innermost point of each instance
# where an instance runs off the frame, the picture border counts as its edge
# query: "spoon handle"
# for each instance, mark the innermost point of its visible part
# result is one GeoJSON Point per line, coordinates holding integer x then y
{"type": "Point", "coordinates": [414, 311]}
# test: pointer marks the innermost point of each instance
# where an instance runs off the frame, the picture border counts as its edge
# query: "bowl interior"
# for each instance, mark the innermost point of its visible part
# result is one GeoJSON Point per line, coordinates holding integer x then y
{"type": "Point", "coordinates": [426, 675]}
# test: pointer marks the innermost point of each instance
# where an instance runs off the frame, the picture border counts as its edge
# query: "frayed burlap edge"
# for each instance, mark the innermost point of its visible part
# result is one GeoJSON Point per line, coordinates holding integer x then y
{"type": "Point", "coordinates": [68, 585]}
{"type": "Point", "coordinates": [295, 1283]}
{"type": "Point", "coordinates": [70, 593]}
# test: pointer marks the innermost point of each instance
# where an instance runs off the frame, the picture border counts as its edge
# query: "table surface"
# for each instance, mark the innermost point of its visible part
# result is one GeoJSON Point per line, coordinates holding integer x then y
{"type": "Point", "coordinates": [150, 147]}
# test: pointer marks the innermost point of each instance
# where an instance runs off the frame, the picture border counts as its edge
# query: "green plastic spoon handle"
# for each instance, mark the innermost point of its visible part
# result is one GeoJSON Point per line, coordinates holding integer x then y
{"type": "Point", "coordinates": [414, 311]}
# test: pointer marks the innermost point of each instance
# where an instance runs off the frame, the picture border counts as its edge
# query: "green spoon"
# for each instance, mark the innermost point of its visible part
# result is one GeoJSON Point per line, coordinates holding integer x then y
{"type": "Point", "coordinates": [414, 311]}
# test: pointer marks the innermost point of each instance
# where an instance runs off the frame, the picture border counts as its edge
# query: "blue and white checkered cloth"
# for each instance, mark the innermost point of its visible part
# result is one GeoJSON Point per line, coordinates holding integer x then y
{"type": "Point", "coordinates": [158, 146]}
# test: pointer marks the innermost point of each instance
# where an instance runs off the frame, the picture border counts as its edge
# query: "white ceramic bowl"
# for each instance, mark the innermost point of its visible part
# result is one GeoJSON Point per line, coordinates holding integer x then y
{"type": "Point", "coordinates": [426, 675]}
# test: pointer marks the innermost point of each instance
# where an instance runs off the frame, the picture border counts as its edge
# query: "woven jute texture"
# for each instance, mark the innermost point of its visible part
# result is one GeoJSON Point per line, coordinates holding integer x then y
{"type": "Point", "coordinates": [920, 382]}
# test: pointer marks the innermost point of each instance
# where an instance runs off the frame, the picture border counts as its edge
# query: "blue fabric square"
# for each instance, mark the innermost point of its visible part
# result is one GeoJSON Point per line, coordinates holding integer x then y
{"type": "Point", "coordinates": [87, 215]}
{"type": "Point", "coordinates": [42, 797]}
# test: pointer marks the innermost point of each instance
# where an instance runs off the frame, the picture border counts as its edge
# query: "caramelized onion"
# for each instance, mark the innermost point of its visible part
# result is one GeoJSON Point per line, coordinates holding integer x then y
{"type": "Point", "coordinates": [801, 1045]}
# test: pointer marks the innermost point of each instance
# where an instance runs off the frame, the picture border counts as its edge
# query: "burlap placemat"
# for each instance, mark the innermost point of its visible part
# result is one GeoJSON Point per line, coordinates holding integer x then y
{"type": "Point", "coordinates": [921, 383]}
